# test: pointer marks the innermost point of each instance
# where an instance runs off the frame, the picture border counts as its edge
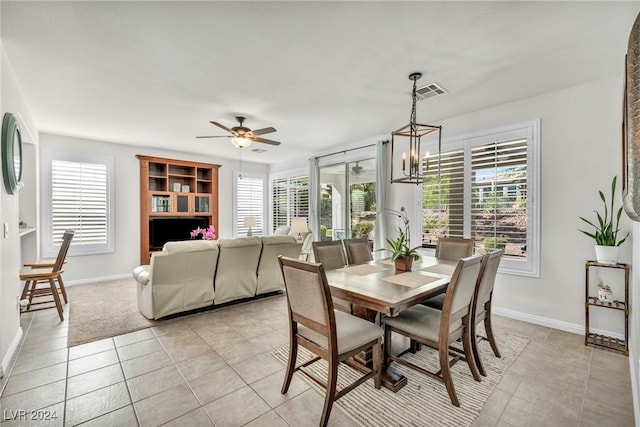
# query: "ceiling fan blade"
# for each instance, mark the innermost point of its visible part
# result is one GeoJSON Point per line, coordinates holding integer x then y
{"type": "Point", "coordinates": [217, 136]}
{"type": "Point", "coordinates": [263, 131]}
{"type": "Point", "coordinates": [266, 141]}
{"type": "Point", "coordinates": [221, 126]}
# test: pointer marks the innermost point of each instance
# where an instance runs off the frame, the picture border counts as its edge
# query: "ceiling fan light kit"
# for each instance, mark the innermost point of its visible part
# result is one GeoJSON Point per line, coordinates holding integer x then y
{"type": "Point", "coordinates": [242, 136]}
{"type": "Point", "coordinates": [407, 139]}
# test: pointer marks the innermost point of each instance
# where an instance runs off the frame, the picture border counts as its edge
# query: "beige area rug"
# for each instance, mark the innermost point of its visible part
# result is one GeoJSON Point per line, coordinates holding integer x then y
{"type": "Point", "coordinates": [423, 401]}
{"type": "Point", "coordinates": [103, 310]}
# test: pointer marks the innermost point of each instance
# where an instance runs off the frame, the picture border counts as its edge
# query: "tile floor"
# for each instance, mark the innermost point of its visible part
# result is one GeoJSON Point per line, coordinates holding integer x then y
{"type": "Point", "coordinates": [215, 368]}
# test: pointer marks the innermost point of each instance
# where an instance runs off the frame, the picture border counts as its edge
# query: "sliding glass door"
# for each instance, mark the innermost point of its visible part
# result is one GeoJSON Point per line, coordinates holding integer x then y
{"type": "Point", "coordinates": [348, 200]}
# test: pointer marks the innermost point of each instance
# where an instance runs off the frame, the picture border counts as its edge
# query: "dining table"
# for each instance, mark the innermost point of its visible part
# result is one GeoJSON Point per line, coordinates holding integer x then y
{"type": "Point", "coordinates": [377, 289]}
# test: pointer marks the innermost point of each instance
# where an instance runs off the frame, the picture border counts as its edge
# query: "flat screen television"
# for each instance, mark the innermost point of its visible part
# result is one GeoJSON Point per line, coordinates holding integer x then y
{"type": "Point", "coordinates": [163, 230]}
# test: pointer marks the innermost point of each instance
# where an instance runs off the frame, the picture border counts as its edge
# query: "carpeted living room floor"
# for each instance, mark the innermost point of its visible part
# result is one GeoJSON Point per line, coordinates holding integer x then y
{"type": "Point", "coordinates": [221, 367]}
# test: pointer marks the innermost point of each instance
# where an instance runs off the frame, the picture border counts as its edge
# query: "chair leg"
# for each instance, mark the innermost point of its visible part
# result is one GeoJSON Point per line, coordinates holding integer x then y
{"type": "Point", "coordinates": [62, 289]}
{"type": "Point", "coordinates": [291, 365]}
{"type": "Point", "coordinates": [25, 289]}
{"type": "Point", "coordinates": [490, 337]}
{"type": "Point", "coordinates": [56, 297]}
{"type": "Point", "coordinates": [32, 289]}
{"type": "Point", "coordinates": [476, 353]}
{"type": "Point", "coordinates": [446, 373]}
{"type": "Point", "coordinates": [468, 352]}
{"type": "Point", "coordinates": [331, 392]}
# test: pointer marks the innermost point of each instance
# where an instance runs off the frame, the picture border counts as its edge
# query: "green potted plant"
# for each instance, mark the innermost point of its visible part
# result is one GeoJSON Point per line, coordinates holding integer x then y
{"type": "Point", "coordinates": [606, 230]}
{"type": "Point", "coordinates": [401, 254]}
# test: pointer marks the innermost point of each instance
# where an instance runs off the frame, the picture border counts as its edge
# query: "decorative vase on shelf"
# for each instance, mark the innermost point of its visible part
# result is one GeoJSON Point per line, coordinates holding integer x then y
{"type": "Point", "coordinates": [607, 254]}
{"type": "Point", "coordinates": [404, 263]}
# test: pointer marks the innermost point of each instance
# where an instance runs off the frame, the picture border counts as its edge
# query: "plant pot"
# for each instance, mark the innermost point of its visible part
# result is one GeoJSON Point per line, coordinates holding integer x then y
{"type": "Point", "coordinates": [607, 254]}
{"type": "Point", "coordinates": [404, 263]}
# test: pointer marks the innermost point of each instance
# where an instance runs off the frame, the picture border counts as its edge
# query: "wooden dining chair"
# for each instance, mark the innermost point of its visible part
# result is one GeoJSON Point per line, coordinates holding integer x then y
{"type": "Point", "coordinates": [50, 277]}
{"type": "Point", "coordinates": [329, 253]}
{"type": "Point", "coordinates": [451, 249]}
{"type": "Point", "coordinates": [438, 329]}
{"type": "Point", "coordinates": [358, 251]}
{"type": "Point", "coordinates": [329, 334]}
{"type": "Point", "coordinates": [481, 305]}
{"type": "Point", "coordinates": [454, 248]}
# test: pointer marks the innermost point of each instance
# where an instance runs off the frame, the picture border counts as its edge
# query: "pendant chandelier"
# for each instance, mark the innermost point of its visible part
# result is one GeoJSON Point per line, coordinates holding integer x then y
{"type": "Point", "coordinates": [407, 140]}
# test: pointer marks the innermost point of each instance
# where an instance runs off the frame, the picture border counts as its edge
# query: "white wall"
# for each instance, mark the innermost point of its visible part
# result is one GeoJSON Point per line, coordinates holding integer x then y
{"type": "Point", "coordinates": [11, 100]}
{"type": "Point", "coordinates": [88, 268]}
{"type": "Point", "coordinates": [634, 323]}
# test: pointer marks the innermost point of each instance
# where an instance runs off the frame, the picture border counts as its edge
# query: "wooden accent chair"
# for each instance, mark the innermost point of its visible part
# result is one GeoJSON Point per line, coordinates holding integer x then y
{"type": "Point", "coordinates": [358, 251]}
{"type": "Point", "coordinates": [331, 255]}
{"type": "Point", "coordinates": [439, 329]}
{"type": "Point", "coordinates": [37, 273]}
{"type": "Point", "coordinates": [331, 335]}
{"type": "Point", "coordinates": [481, 307]}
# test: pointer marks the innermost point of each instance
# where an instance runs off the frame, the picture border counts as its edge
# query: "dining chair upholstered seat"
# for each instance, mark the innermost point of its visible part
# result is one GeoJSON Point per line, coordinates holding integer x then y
{"type": "Point", "coordinates": [481, 307]}
{"type": "Point", "coordinates": [330, 254]}
{"type": "Point", "coordinates": [358, 251]}
{"type": "Point", "coordinates": [328, 334]}
{"type": "Point", "coordinates": [439, 329]}
{"type": "Point", "coordinates": [50, 277]}
{"type": "Point", "coordinates": [454, 248]}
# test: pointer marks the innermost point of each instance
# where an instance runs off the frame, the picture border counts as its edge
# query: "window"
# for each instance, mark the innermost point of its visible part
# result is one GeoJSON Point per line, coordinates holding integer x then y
{"type": "Point", "coordinates": [487, 190]}
{"type": "Point", "coordinates": [249, 200]}
{"type": "Point", "coordinates": [289, 199]}
{"type": "Point", "coordinates": [77, 195]}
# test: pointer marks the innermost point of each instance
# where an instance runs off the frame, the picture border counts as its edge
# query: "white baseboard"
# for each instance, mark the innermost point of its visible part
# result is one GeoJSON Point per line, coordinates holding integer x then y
{"type": "Point", "coordinates": [551, 323]}
{"type": "Point", "coordinates": [6, 361]}
{"type": "Point", "coordinates": [97, 279]}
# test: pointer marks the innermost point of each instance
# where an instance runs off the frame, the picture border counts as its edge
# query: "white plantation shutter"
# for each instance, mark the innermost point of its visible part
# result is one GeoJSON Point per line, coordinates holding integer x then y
{"type": "Point", "coordinates": [280, 202]}
{"type": "Point", "coordinates": [443, 201]}
{"type": "Point", "coordinates": [289, 199]}
{"type": "Point", "coordinates": [488, 191]}
{"type": "Point", "coordinates": [77, 197]}
{"type": "Point", "coordinates": [499, 196]}
{"type": "Point", "coordinates": [249, 201]}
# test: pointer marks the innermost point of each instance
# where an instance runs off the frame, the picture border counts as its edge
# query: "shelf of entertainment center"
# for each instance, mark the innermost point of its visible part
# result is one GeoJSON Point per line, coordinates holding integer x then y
{"type": "Point", "coordinates": [175, 190]}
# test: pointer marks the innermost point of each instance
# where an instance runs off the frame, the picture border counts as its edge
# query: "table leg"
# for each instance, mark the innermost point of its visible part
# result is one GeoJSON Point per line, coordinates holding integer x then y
{"type": "Point", "coordinates": [391, 379]}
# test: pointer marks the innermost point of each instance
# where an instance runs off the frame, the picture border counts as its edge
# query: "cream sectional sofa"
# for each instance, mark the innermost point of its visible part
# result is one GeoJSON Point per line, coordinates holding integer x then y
{"type": "Point", "coordinates": [198, 273]}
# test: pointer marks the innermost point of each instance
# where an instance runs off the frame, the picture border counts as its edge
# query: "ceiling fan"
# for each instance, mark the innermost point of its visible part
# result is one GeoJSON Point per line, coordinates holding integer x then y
{"type": "Point", "coordinates": [357, 169]}
{"type": "Point", "coordinates": [242, 136]}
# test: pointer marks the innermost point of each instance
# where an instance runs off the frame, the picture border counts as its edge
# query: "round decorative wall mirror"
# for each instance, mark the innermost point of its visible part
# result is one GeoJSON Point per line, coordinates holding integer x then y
{"type": "Point", "coordinates": [11, 154]}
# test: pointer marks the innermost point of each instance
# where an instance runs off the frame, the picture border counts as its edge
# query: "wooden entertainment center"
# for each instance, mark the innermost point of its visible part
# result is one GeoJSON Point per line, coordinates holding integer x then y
{"type": "Point", "coordinates": [175, 189]}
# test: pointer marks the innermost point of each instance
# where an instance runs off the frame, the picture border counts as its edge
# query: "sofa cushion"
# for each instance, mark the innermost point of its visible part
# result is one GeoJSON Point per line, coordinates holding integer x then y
{"type": "Point", "coordinates": [141, 274]}
{"type": "Point", "coordinates": [278, 240]}
{"type": "Point", "coordinates": [283, 230]}
{"type": "Point", "coordinates": [236, 275]}
{"type": "Point", "coordinates": [189, 246]}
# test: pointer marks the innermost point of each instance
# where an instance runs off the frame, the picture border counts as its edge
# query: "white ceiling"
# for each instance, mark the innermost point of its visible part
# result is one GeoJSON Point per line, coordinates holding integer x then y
{"type": "Point", "coordinates": [324, 74]}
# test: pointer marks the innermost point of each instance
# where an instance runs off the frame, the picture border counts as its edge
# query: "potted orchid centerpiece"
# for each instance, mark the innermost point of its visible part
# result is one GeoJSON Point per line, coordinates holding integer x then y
{"type": "Point", "coordinates": [206, 233]}
{"type": "Point", "coordinates": [401, 254]}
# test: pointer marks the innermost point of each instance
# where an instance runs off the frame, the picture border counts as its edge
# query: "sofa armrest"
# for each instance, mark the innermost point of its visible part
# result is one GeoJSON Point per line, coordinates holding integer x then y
{"type": "Point", "coordinates": [141, 274]}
